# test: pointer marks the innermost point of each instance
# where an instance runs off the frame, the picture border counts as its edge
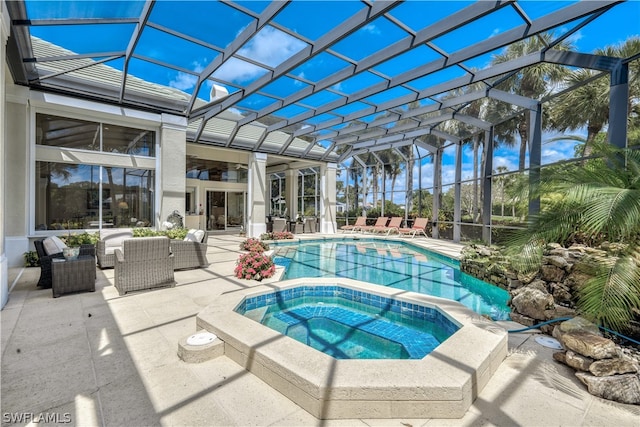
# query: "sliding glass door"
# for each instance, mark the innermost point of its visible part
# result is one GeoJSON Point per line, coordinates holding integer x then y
{"type": "Point", "coordinates": [225, 210]}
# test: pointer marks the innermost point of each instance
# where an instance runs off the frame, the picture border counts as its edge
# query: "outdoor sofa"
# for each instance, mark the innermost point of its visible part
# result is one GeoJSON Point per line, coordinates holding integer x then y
{"type": "Point", "coordinates": [190, 252]}
{"type": "Point", "coordinates": [110, 240]}
{"type": "Point", "coordinates": [143, 263]}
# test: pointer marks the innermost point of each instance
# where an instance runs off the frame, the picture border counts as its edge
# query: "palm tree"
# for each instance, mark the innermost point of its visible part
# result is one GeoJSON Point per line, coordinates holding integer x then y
{"type": "Point", "coordinates": [531, 82]}
{"type": "Point", "coordinates": [588, 105]}
{"type": "Point", "coordinates": [594, 202]}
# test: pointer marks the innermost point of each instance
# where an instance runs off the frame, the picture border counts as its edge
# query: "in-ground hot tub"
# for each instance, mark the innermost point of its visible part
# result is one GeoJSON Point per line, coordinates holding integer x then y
{"type": "Point", "coordinates": [351, 324]}
{"type": "Point", "coordinates": [442, 384]}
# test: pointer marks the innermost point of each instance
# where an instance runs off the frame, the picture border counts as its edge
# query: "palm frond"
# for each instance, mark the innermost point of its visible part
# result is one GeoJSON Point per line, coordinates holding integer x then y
{"type": "Point", "coordinates": [610, 296]}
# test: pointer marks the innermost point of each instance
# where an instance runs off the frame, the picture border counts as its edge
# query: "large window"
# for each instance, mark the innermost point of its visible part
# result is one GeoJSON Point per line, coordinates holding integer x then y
{"type": "Point", "coordinates": [83, 135]}
{"type": "Point", "coordinates": [73, 196]}
{"type": "Point", "coordinates": [213, 170]}
{"type": "Point", "coordinates": [106, 191]}
{"type": "Point", "coordinates": [308, 192]}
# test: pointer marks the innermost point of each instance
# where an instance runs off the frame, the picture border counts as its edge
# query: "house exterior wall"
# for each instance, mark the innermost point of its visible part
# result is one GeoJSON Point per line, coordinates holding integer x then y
{"type": "Point", "coordinates": [20, 153]}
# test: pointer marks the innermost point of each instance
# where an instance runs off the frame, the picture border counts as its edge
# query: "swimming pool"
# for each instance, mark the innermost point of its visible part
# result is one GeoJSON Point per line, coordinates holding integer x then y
{"type": "Point", "coordinates": [399, 265]}
{"type": "Point", "coordinates": [351, 324]}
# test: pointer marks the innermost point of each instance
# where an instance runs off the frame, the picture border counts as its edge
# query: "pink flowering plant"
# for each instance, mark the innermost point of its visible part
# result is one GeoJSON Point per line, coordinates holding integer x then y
{"type": "Point", "coordinates": [254, 265]}
{"type": "Point", "coordinates": [277, 235]}
{"type": "Point", "coordinates": [254, 245]}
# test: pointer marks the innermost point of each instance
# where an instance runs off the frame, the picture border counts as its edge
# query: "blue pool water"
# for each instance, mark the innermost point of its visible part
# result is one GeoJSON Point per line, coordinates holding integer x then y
{"type": "Point", "coordinates": [396, 264]}
{"type": "Point", "coordinates": [351, 324]}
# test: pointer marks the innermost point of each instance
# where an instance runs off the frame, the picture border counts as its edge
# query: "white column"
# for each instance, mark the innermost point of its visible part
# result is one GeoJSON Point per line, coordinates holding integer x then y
{"type": "Point", "coordinates": [256, 196]}
{"type": "Point", "coordinates": [4, 276]}
{"type": "Point", "coordinates": [291, 193]}
{"type": "Point", "coordinates": [171, 168]}
{"type": "Point", "coordinates": [328, 174]}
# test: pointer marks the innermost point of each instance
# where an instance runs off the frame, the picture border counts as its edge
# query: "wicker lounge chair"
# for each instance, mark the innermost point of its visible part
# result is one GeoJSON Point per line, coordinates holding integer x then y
{"type": "Point", "coordinates": [190, 253]}
{"type": "Point", "coordinates": [144, 263]}
{"type": "Point", "coordinates": [361, 221]}
{"type": "Point", "coordinates": [110, 240]}
{"type": "Point", "coordinates": [46, 278]}
{"type": "Point", "coordinates": [419, 226]}
{"type": "Point", "coordinates": [381, 224]}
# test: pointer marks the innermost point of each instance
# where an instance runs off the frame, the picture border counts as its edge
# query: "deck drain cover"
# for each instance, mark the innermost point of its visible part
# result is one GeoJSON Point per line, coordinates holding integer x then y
{"type": "Point", "coordinates": [546, 341]}
{"type": "Point", "coordinates": [201, 338]}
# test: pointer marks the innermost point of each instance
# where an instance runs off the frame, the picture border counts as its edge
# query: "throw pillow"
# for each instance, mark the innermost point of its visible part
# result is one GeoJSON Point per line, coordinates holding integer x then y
{"type": "Point", "coordinates": [53, 245]}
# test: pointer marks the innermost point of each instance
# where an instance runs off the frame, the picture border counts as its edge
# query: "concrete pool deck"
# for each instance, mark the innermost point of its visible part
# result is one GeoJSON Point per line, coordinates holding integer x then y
{"type": "Point", "coordinates": [112, 361]}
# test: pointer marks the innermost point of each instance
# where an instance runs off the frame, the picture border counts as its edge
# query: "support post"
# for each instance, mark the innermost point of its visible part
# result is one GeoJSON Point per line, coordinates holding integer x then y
{"type": "Point", "coordinates": [486, 186]}
{"type": "Point", "coordinates": [437, 191]}
{"type": "Point", "coordinates": [457, 216]}
{"type": "Point", "coordinates": [256, 195]}
{"type": "Point", "coordinates": [618, 106]}
{"type": "Point", "coordinates": [535, 159]}
{"type": "Point", "coordinates": [328, 174]}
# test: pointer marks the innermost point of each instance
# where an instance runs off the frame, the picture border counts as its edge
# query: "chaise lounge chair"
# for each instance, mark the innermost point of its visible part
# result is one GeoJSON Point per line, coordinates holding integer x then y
{"type": "Point", "coordinates": [381, 224]}
{"type": "Point", "coordinates": [394, 225]}
{"type": "Point", "coordinates": [361, 221]}
{"type": "Point", "coordinates": [419, 226]}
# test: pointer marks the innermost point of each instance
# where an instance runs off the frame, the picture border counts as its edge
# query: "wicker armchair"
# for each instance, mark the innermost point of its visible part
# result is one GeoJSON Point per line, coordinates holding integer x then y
{"type": "Point", "coordinates": [110, 240]}
{"type": "Point", "coordinates": [144, 263]}
{"type": "Point", "coordinates": [46, 279]}
{"type": "Point", "coordinates": [189, 254]}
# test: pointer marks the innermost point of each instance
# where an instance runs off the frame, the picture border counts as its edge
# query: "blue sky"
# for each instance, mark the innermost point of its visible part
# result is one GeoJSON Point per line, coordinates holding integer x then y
{"type": "Point", "coordinates": [219, 25]}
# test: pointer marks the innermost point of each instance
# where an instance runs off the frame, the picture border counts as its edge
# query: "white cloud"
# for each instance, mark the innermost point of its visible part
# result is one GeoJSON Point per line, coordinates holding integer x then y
{"type": "Point", "coordinates": [184, 81]}
{"type": "Point", "coordinates": [371, 28]}
{"type": "Point", "coordinates": [269, 46]}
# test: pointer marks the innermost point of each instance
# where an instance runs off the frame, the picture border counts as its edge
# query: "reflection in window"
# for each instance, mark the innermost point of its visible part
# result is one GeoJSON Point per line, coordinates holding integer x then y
{"type": "Point", "coordinates": [71, 196]}
{"type": "Point", "coordinates": [84, 135]}
{"type": "Point", "coordinates": [212, 170]}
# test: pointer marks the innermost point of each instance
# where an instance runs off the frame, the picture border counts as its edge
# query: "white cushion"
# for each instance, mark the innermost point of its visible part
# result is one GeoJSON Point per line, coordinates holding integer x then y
{"type": "Point", "coordinates": [114, 237]}
{"type": "Point", "coordinates": [53, 245]}
{"type": "Point", "coordinates": [194, 235]}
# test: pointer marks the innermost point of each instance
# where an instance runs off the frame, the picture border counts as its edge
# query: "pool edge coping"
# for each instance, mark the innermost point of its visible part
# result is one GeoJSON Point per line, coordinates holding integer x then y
{"type": "Point", "coordinates": [443, 384]}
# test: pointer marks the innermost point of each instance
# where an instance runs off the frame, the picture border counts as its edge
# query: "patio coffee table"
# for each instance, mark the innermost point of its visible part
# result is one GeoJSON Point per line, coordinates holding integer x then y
{"type": "Point", "coordinates": [73, 275]}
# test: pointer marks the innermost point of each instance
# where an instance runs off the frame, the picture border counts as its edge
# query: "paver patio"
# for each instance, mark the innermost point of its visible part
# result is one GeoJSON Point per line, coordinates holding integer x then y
{"type": "Point", "coordinates": [110, 360]}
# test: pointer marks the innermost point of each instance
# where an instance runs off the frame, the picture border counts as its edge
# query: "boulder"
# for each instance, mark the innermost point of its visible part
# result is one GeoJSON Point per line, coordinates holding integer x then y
{"type": "Point", "coordinates": [607, 367]}
{"type": "Point", "coordinates": [578, 324]}
{"type": "Point", "coordinates": [578, 361]}
{"type": "Point", "coordinates": [620, 388]}
{"type": "Point", "coordinates": [555, 260]}
{"type": "Point", "coordinates": [533, 303]}
{"type": "Point", "coordinates": [551, 273]}
{"type": "Point", "coordinates": [588, 344]}
{"type": "Point", "coordinates": [560, 292]}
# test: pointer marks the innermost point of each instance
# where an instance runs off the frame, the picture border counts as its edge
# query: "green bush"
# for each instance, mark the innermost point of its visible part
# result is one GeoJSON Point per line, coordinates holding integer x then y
{"type": "Point", "coordinates": [31, 259]}
{"type": "Point", "coordinates": [176, 233]}
{"type": "Point", "coordinates": [80, 239]}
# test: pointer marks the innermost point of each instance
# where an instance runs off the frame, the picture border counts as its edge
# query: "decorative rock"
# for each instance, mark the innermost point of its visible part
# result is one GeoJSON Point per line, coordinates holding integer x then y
{"type": "Point", "coordinates": [551, 273]}
{"type": "Point", "coordinates": [560, 356]}
{"type": "Point", "coordinates": [533, 303]}
{"type": "Point", "coordinates": [555, 260]}
{"type": "Point", "coordinates": [589, 345]}
{"type": "Point", "coordinates": [619, 388]}
{"type": "Point", "coordinates": [578, 323]}
{"type": "Point", "coordinates": [526, 278]}
{"type": "Point", "coordinates": [560, 292]}
{"type": "Point", "coordinates": [577, 361]}
{"type": "Point", "coordinates": [607, 367]}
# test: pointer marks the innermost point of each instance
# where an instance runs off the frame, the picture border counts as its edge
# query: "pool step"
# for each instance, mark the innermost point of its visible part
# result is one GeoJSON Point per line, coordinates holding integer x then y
{"type": "Point", "coordinates": [200, 347]}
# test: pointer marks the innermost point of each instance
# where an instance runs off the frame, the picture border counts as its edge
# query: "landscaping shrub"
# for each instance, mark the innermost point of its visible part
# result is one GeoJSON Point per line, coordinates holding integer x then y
{"type": "Point", "coordinates": [31, 259]}
{"type": "Point", "coordinates": [277, 235]}
{"type": "Point", "coordinates": [254, 265]}
{"type": "Point", "coordinates": [254, 245]}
